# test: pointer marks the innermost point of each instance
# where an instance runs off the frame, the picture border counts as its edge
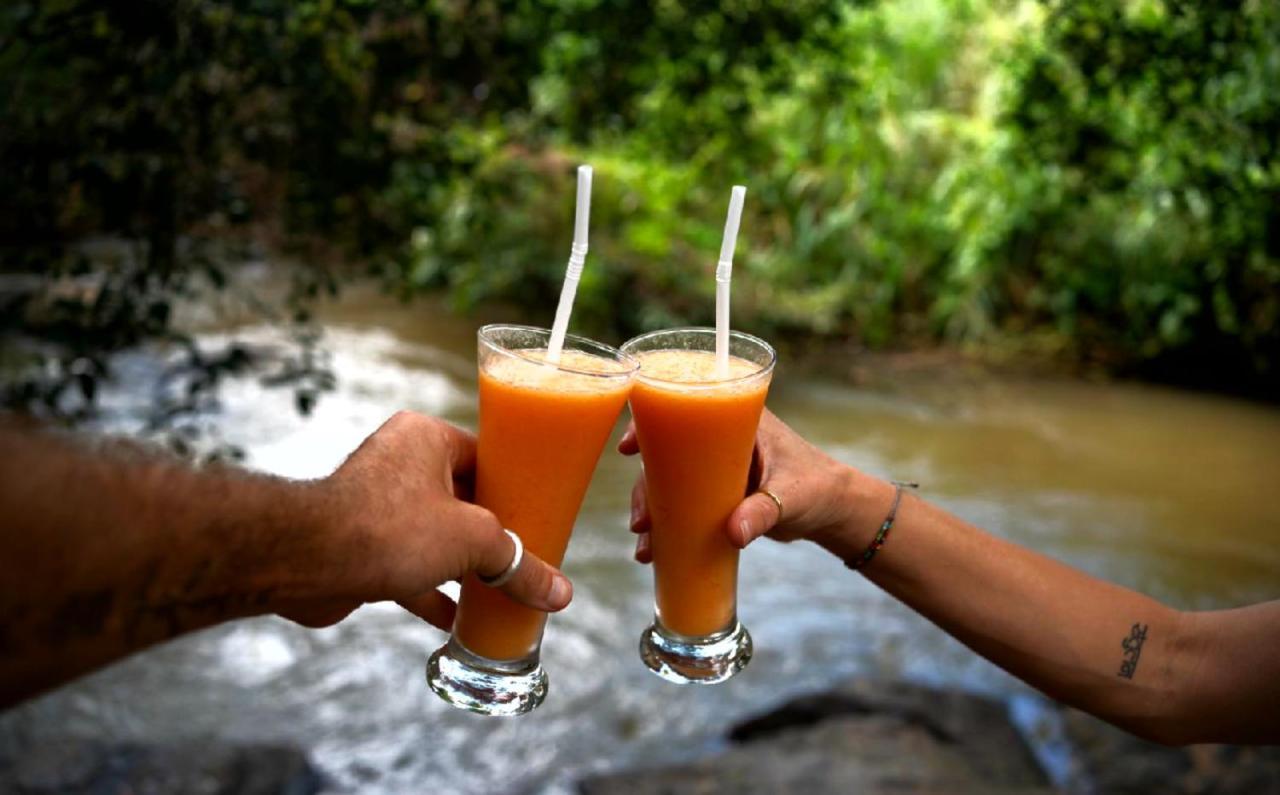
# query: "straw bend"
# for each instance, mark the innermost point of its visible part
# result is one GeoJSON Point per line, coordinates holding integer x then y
{"type": "Point", "coordinates": [577, 258]}
{"type": "Point", "coordinates": [573, 271]}
{"type": "Point", "coordinates": [724, 272]}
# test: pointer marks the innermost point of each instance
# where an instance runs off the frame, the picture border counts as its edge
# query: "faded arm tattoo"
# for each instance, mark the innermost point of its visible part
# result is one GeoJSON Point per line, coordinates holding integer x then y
{"type": "Point", "coordinates": [1132, 645]}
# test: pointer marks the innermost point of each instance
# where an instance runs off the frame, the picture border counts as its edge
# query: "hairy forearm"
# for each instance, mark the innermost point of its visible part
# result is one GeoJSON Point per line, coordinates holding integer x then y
{"type": "Point", "coordinates": [1055, 627]}
{"type": "Point", "coordinates": [109, 550]}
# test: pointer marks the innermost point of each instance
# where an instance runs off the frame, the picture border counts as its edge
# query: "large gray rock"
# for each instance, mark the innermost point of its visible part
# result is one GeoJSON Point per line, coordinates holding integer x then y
{"type": "Point", "coordinates": [86, 768]}
{"type": "Point", "coordinates": [1108, 760]}
{"type": "Point", "coordinates": [865, 737]}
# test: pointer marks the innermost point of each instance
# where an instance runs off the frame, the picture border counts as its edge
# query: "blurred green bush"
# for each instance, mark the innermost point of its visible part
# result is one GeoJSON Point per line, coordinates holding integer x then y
{"type": "Point", "coordinates": [1099, 179]}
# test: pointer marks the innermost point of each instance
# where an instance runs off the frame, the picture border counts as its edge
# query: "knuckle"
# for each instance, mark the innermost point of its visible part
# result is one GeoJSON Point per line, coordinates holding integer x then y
{"type": "Point", "coordinates": [483, 535]}
{"type": "Point", "coordinates": [405, 419]}
{"type": "Point", "coordinates": [440, 434]}
{"type": "Point", "coordinates": [485, 527]}
{"type": "Point", "coordinates": [486, 522]}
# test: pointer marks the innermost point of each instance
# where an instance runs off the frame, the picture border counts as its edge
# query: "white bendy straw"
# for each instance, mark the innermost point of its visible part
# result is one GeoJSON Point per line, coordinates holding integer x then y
{"type": "Point", "coordinates": [577, 256]}
{"type": "Point", "coordinates": [724, 271]}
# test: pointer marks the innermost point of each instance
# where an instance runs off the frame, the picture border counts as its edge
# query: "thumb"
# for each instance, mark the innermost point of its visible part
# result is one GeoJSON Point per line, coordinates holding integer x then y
{"type": "Point", "coordinates": [754, 516]}
{"type": "Point", "coordinates": [534, 583]}
{"type": "Point", "coordinates": [539, 585]}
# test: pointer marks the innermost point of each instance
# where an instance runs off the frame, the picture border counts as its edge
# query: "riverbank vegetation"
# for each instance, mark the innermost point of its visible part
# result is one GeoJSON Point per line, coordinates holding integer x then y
{"type": "Point", "coordinates": [1093, 180]}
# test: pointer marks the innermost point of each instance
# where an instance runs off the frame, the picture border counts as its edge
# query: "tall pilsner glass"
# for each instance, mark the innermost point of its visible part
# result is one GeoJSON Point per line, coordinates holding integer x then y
{"type": "Point", "coordinates": [697, 431]}
{"type": "Point", "coordinates": [542, 429]}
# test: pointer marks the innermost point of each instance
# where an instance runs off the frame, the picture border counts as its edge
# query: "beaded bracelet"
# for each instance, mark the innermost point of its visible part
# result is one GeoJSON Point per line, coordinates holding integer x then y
{"type": "Point", "coordinates": [885, 526]}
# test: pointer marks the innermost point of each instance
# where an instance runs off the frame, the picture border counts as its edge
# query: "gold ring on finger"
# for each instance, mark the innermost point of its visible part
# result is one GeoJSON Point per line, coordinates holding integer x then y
{"type": "Point", "coordinates": [776, 499]}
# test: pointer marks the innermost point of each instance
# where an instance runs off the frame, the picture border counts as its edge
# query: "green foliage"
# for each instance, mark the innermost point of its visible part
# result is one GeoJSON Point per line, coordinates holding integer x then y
{"type": "Point", "coordinates": [1104, 174]}
{"type": "Point", "coordinates": [1155, 127]}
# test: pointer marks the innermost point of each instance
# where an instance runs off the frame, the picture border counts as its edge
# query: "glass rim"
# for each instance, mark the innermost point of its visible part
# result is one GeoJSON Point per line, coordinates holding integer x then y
{"type": "Point", "coordinates": [764, 369]}
{"type": "Point", "coordinates": [592, 346]}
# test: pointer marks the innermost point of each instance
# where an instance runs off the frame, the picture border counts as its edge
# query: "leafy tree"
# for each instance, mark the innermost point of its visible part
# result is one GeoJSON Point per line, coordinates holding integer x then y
{"type": "Point", "coordinates": [1155, 129]}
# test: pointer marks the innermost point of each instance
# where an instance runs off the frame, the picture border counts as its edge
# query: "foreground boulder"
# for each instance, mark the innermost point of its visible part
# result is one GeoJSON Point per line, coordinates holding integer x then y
{"type": "Point", "coordinates": [1108, 760]}
{"type": "Point", "coordinates": [86, 768]}
{"type": "Point", "coordinates": [864, 736]}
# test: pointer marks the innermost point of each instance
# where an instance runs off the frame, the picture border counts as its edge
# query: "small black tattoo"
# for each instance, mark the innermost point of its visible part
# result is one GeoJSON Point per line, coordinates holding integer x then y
{"type": "Point", "coordinates": [1132, 646]}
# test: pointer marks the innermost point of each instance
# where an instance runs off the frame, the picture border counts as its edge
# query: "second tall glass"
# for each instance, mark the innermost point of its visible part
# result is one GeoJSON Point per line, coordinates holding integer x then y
{"type": "Point", "coordinates": [697, 428]}
{"type": "Point", "coordinates": [542, 429]}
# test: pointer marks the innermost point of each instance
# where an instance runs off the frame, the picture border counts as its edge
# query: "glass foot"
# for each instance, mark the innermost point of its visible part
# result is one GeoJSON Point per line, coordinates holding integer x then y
{"type": "Point", "coordinates": [703, 661]}
{"type": "Point", "coordinates": [486, 686]}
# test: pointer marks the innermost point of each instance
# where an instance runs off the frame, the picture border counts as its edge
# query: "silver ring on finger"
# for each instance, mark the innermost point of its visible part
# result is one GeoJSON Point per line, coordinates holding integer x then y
{"type": "Point", "coordinates": [503, 577]}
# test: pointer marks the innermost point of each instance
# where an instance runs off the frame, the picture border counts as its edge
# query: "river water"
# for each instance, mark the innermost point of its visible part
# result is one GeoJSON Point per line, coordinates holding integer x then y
{"type": "Point", "coordinates": [1165, 491]}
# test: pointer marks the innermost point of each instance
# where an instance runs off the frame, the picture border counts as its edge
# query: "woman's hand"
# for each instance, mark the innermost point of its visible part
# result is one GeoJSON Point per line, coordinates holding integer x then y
{"type": "Point", "coordinates": [396, 526]}
{"type": "Point", "coordinates": [822, 500]}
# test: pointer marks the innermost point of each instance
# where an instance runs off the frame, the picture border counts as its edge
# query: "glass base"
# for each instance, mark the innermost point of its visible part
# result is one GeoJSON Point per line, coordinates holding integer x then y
{"type": "Point", "coordinates": [486, 686]}
{"type": "Point", "coordinates": [700, 661]}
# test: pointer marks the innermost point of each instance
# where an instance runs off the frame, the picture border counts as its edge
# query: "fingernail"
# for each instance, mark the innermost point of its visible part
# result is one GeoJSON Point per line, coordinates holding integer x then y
{"type": "Point", "coordinates": [561, 591]}
{"type": "Point", "coordinates": [642, 545]}
{"type": "Point", "coordinates": [744, 528]}
{"type": "Point", "coordinates": [635, 515]}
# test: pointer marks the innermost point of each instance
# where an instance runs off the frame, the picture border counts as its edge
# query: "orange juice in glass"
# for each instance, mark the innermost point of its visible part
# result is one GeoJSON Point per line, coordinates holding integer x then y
{"type": "Point", "coordinates": [696, 427]}
{"type": "Point", "coordinates": [542, 429]}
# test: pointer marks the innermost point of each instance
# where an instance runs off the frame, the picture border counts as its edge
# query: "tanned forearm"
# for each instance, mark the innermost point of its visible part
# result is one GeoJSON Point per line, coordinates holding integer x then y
{"type": "Point", "coordinates": [1169, 676]}
{"type": "Point", "coordinates": [1236, 691]}
{"type": "Point", "coordinates": [111, 549]}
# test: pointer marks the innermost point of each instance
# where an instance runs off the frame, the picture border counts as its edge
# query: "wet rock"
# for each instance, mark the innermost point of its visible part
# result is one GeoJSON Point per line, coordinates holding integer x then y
{"type": "Point", "coordinates": [1108, 760]}
{"type": "Point", "coordinates": [87, 768]}
{"type": "Point", "coordinates": [864, 736]}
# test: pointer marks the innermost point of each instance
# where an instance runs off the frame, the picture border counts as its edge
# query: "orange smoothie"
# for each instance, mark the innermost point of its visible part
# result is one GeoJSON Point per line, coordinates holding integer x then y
{"type": "Point", "coordinates": [696, 438]}
{"type": "Point", "coordinates": [542, 430]}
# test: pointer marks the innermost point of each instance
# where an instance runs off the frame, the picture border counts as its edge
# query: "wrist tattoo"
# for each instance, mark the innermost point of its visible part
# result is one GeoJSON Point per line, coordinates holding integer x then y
{"type": "Point", "coordinates": [1132, 646]}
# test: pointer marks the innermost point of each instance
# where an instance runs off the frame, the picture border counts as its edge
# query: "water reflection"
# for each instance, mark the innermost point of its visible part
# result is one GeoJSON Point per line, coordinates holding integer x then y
{"type": "Point", "coordinates": [1159, 490]}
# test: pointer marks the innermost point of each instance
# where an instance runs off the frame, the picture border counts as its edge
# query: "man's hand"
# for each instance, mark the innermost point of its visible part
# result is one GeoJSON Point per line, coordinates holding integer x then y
{"type": "Point", "coordinates": [396, 527]}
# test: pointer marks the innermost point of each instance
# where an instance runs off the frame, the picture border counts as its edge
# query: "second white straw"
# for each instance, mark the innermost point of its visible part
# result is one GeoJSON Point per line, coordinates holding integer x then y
{"type": "Point", "coordinates": [724, 272]}
{"type": "Point", "coordinates": [577, 256]}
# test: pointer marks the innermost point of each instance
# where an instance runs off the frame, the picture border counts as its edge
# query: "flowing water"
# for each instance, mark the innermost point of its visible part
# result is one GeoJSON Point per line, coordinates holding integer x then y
{"type": "Point", "coordinates": [1164, 491]}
